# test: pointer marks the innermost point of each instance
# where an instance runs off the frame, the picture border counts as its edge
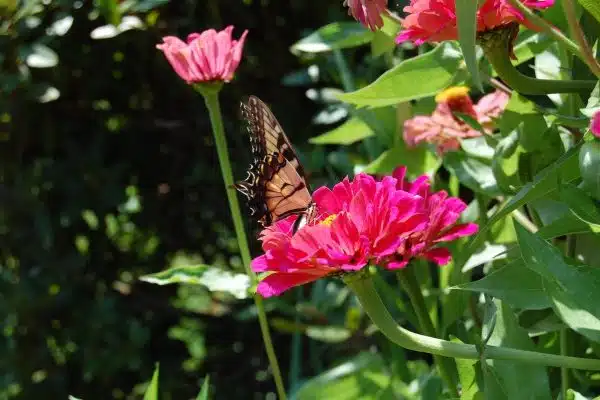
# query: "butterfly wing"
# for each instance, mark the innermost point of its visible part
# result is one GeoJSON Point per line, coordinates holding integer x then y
{"type": "Point", "coordinates": [274, 189]}
{"type": "Point", "coordinates": [266, 134]}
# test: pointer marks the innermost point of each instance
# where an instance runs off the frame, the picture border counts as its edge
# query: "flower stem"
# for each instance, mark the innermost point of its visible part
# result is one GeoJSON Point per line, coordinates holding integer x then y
{"type": "Point", "coordinates": [547, 27]}
{"type": "Point", "coordinates": [376, 310]}
{"type": "Point", "coordinates": [211, 98]}
{"type": "Point", "coordinates": [496, 46]}
{"type": "Point", "coordinates": [409, 283]}
{"type": "Point", "coordinates": [577, 33]}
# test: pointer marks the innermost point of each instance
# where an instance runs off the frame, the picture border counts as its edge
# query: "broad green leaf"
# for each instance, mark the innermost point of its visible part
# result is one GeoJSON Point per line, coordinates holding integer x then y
{"type": "Point", "coordinates": [467, 374]}
{"type": "Point", "coordinates": [593, 104]}
{"type": "Point", "coordinates": [152, 389]}
{"type": "Point", "coordinates": [363, 377]}
{"type": "Point", "coordinates": [565, 169]}
{"type": "Point", "coordinates": [581, 205]}
{"type": "Point", "coordinates": [203, 395]}
{"type": "Point", "coordinates": [505, 163]}
{"type": "Point", "coordinates": [567, 224]}
{"type": "Point", "coordinates": [466, 13]}
{"type": "Point", "coordinates": [477, 147]}
{"type": "Point", "coordinates": [573, 395]}
{"type": "Point", "coordinates": [514, 284]}
{"type": "Point", "coordinates": [349, 132]}
{"type": "Point", "coordinates": [418, 160]}
{"type": "Point", "coordinates": [384, 38]}
{"type": "Point", "coordinates": [337, 35]}
{"type": "Point", "coordinates": [213, 278]}
{"type": "Point", "coordinates": [573, 289]}
{"type": "Point", "coordinates": [472, 173]}
{"type": "Point", "coordinates": [514, 380]}
{"type": "Point", "coordinates": [412, 79]}
{"type": "Point", "coordinates": [592, 6]}
{"type": "Point", "coordinates": [531, 44]}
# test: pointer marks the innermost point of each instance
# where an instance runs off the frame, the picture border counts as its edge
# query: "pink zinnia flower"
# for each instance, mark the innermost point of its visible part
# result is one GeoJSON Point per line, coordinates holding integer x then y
{"type": "Point", "coordinates": [595, 124]}
{"type": "Point", "coordinates": [367, 12]}
{"type": "Point", "coordinates": [435, 20]}
{"type": "Point", "coordinates": [206, 57]}
{"type": "Point", "coordinates": [444, 130]}
{"type": "Point", "coordinates": [362, 221]}
{"type": "Point", "coordinates": [443, 212]}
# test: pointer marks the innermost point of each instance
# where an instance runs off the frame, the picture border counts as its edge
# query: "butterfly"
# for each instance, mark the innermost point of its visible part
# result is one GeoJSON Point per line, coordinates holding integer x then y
{"type": "Point", "coordinates": [276, 186]}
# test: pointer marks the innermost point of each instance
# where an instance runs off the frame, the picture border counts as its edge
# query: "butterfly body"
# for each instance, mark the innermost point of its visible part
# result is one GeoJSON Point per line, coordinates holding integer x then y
{"type": "Point", "coordinates": [275, 187]}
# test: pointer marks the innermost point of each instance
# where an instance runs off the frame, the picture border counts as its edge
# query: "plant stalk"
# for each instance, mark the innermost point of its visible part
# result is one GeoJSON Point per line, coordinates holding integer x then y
{"type": "Point", "coordinates": [371, 302]}
{"type": "Point", "coordinates": [409, 283]}
{"type": "Point", "coordinates": [211, 98]}
{"type": "Point", "coordinates": [496, 45]}
{"type": "Point", "coordinates": [577, 33]}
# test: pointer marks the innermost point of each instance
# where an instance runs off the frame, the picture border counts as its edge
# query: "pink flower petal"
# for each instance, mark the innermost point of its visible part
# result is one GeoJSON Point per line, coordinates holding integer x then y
{"type": "Point", "coordinates": [277, 283]}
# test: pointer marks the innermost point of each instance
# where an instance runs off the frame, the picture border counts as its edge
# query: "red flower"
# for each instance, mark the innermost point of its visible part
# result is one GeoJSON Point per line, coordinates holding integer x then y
{"type": "Point", "coordinates": [206, 57]}
{"type": "Point", "coordinates": [443, 212]}
{"type": "Point", "coordinates": [595, 125]}
{"type": "Point", "coordinates": [367, 12]}
{"type": "Point", "coordinates": [444, 130]}
{"type": "Point", "coordinates": [385, 222]}
{"type": "Point", "coordinates": [435, 20]}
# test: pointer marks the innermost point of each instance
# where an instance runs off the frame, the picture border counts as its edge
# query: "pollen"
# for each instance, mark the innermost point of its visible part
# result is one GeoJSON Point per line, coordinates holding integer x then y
{"type": "Point", "coordinates": [452, 93]}
{"type": "Point", "coordinates": [329, 220]}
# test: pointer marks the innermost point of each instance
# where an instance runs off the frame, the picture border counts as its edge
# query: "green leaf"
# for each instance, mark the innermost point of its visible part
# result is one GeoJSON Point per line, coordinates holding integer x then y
{"type": "Point", "coordinates": [152, 390]}
{"type": "Point", "coordinates": [573, 289]}
{"type": "Point", "coordinates": [213, 278]}
{"type": "Point", "coordinates": [567, 224]}
{"type": "Point", "coordinates": [573, 395]}
{"type": "Point", "coordinates": [418, 160]}
{"type": "Point", "coordinates": [467, 374]}
{"type": "Point", "coordinates": [328, 333]}
{"type": "Point", "coordinates": [349, 132]}
{"type": "Point", "coordinates": [384, 39]}
{"type": "Point", "coordinates": [472, 173]}
{"type": "Point", "coordinates": [334, 36]}
{"type": "Point", "coordinates": [512, 380]}
{"type": "Point", "coordinates": [362, 377]}
{"type": "Point", "coordinates": [581, 205]}
{"type": "Point", "coordinates": [565, 169]}
{"type": "Point", "coordinates": [466, 17]}
{"type": "Point", "coordinates": [592, 6]}
{"type": "Point", "coordinates": [514, 284]}
{"type": "Point", "coordinates": [412, 79]}
{"type": "Point", "coordinates": [203, 395]}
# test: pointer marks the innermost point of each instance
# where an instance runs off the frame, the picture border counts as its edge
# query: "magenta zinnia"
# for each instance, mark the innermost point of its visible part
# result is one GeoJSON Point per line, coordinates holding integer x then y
{"type": "Point", "coordinates": [367, 12]}
{"type": "Point", "coordinates": [595, 124]}
{"type": "Point", "coordinates": [385, 222]}
{"type": "Point", "coordinates": [209, 56]}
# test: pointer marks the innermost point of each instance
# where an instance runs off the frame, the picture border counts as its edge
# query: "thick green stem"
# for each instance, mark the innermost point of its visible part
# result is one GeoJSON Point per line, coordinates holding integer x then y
{"type": "Point", "coordinates": [577, 33]}
{"type": "Point", "coordinates": [211, 98]}
{"type": "Point", "coordinates": [376, 310]}
{"type": "Point", "coordinates": [409, 283]}
{"type": "Point", "coordinates": [496, 45]}
{"type": "Point", "coordinates": [548, 28]}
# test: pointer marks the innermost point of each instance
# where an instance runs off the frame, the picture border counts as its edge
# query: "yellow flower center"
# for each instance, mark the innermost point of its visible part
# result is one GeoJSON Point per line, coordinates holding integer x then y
{"type": "Point", "coordinates": [452, 93]}
{"type": "Point", "coordinates": [329, 220]}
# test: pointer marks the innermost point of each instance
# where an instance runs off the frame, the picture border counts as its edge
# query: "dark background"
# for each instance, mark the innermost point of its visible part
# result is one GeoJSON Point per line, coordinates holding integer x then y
{"type": "Point", "coordinates": [114, 179]}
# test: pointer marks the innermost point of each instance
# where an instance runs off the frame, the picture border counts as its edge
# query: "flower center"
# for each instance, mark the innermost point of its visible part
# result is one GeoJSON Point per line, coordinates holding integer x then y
{"type": "Point", "coordinates": [452, 93]}
{"type": "Point", "coordinates": [329, 220]}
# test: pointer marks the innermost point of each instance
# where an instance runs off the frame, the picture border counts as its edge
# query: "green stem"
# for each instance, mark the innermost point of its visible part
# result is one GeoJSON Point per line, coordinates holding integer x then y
{"type": "Point", "coordinates": [496, 45]}
{"type": "Point", "coordinates": [211, 98]}
{"type": "Point", "coordinates": [409, 283]}
{"type": "Point", "coordinates": [376, 310]}
{"type": "Point", "coordinates": [548, 28]}
{"type": "Point", "coordinates": [564, 372]}
{"type": "Point", "coordinates": [577, 33]}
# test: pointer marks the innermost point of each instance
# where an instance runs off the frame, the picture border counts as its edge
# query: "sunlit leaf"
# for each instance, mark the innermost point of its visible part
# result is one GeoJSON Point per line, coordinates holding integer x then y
{"type": "Point", "coordinates": [415, 78]}
{"type": "Point", "coordinates": [152, 390]}
{"type": "Point", "coordinates": [466, 13]}
{"type": "Point", "coordinates": [353, 130]}
{"type": "Point", "coordinates": [573, 289]}
{"type": "Point", "coordinates": [337, 35]}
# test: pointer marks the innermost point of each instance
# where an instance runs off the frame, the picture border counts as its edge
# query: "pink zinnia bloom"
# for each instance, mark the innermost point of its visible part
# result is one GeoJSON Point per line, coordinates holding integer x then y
{"type": "Point", "coordinates": [385, 222]}
{"type": "Point", "coordinates": [206, 57]}
{"type": "Point", "coordinates": [435, 20]}
{"type": "Point", "coordinates": [359, 221]}
{"type": "Point", "coordinates": [443, 212]}
{"type": "Point", "coordinates": [595, 124]}
{"type": "Point", "coordinates": [367, 12]}
{"type": "Point", "coordinates": [444, 130]}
